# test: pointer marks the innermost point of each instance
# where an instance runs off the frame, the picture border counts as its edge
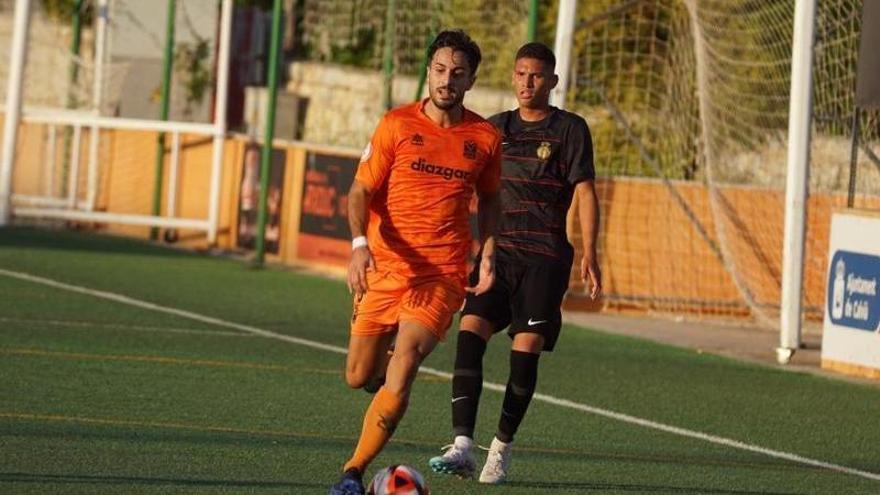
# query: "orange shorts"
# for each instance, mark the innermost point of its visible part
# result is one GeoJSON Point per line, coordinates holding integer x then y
{"type": "Point", "coordinates": [392, 298]}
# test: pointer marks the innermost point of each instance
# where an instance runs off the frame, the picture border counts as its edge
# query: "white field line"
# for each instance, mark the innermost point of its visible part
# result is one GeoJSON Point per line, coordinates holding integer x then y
{"type": "Point", "coordinates": [122, 326]}
{"type": "Point", "coordinates": [489, 385]}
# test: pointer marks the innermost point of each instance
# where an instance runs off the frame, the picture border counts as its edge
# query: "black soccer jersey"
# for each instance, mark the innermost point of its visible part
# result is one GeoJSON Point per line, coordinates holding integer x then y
{"type": "Point", "coordinates": [542, 162]}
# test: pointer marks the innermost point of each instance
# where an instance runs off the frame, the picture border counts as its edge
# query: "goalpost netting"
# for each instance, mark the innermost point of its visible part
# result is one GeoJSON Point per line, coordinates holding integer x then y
{"type": "Point", "coordinates": [688, 102]}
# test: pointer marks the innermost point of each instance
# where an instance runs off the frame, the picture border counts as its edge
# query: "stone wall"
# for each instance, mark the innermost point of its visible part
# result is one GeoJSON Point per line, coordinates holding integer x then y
{"type": "Point", "coordinates": [47, 65]}
{"type": "Point", "coordinates": [345, 103]}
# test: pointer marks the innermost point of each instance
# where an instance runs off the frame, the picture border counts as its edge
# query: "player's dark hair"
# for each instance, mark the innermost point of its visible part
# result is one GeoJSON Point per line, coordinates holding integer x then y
{"type": "Point", "coordinates": [459, 41]}
{"type": "Point", "coordinates": [538, 51]}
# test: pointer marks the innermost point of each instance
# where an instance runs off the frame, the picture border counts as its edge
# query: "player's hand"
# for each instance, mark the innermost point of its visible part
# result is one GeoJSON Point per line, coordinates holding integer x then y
{"type": "Point", "coordinates": [591, 275]}
{"type": "Point", "coordinates": [487, 276]}
{"type": "Point", "coordinates": [361, 261]}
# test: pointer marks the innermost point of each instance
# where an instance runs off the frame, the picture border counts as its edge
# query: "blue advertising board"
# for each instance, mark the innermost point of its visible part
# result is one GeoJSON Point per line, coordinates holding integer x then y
{"type": "Point", "coordinates": [853, 295]}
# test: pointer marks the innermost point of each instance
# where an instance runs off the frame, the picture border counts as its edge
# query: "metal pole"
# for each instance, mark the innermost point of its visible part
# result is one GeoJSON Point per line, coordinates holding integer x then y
{"type": "Point", "coordinates": [17, 54]}
{"type": "Point", "coordinates": [74, 51]}
{"type": "Point", "coordinates": [564, 40]}
{"type": "Point", "coordinates": [72, 78]}
{"type": "Point", "coordinates": [423, 73]}
{"type": "Point", "coordinates": [266, 155]}
{"type": "Point", "coordinates": [221, 96]}
{"type": "Point", "coordinates": [163, 112]}
{"type": "Point", "coordinates": [533, 20]}
{"type": "Point", "coordinates": [97, 93]}
{"type": "Point", "coordinates": [853, 160]}
{"type": "Point", "coordinates": [797, 179]}
{"type": "Point", "coordinates": [388, 56]}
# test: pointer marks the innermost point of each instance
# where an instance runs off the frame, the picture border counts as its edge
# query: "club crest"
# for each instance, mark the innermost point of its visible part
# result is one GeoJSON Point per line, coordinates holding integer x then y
{"type": "Point", "coordinates": [470, 149]}
{"type": "Point", "coordinates": [543, 151]}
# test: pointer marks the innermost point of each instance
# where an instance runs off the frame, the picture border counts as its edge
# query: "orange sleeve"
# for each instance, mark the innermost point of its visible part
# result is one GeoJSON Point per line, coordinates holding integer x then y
{"type": "Point", "coordinates": [490, 177]}
{"type": "Point", "coordinates": [378, 156]}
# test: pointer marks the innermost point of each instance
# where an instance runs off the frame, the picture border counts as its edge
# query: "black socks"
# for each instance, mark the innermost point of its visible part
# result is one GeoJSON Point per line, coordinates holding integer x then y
{"type": "Point", "coordinates": [520, 388]}
{"type": "Point", "coordinates": [467, 382]}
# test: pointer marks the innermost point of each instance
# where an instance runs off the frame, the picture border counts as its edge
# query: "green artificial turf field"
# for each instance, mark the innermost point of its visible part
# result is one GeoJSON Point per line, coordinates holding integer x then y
{"type": "Point", "coordinates": [132, 368]}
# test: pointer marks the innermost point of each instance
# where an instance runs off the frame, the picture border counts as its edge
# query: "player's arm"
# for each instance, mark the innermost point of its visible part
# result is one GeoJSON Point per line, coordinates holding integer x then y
{"type": "Point", "coordinates": [372, 172]}
{"type": "Point", "coordinates": [579, 148]}
{"type": "Point", "coordinates": [488, 189]}
{"type": "Point", "coordinates": [588, 214]}
{"type": "Point", "coordinates": [488, 216]}
{"type": "Point", "coordinates": [361, 258]}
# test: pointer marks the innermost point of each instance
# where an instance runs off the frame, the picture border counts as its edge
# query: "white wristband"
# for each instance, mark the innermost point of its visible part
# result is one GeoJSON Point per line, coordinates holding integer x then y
{"type": "Point", "coordinates": [359, 241]}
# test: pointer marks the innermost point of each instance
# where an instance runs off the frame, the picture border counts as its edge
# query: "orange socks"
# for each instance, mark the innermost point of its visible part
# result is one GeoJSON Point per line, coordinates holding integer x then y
{"type": "Point", "coordinates": [380, 421]}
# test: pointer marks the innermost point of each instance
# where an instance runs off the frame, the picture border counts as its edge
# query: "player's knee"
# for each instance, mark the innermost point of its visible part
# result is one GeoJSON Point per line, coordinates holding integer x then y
{"type": "Point", "coordinates": [406, 364]}
{"type": "Point", "coordinates": [356, 377]}
{"type": "Point", "coordinates": [528, 342]}
{"type": "Point", "coordinates": [476, 325]}
{"type": "Point", "coordinates": [408, 360]}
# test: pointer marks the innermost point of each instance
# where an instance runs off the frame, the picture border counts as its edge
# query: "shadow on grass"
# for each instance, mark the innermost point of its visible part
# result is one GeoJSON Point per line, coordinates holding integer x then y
{"type": "Point", "coordinates": [216, 439]}
{"type": "Point", "coordinates": [141, 480]}
{"type": "Point", "coordinates": [621, 487]}
{"type": "Point", "coordinates": [71, 240]}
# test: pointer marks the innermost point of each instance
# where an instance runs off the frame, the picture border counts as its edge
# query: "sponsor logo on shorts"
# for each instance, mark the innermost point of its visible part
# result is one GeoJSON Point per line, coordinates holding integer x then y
{"type": "Point", "coordinates": [532, 322]}
{"type": "Point", "coordinates": [447, 173]}
{"type": "Point", "coordinates": [354, 310]}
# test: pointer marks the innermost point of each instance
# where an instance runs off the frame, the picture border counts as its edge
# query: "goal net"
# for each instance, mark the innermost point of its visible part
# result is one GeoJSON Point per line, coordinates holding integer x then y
{"type": "Point", "coordinates": [349, 31]}
{"type": "Point", "coordinates": [688, 102]}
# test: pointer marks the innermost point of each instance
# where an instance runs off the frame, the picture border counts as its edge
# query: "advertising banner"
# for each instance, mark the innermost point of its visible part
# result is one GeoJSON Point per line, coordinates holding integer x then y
{"type": "Point", "coordinates": [249, 196]}
{"type": "Point", "coordinates": [851, 332]}
{"type": "Point", "coordinates": [324, 233]}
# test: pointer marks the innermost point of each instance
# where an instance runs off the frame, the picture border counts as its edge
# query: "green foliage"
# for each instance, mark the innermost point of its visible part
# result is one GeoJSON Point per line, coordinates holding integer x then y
{"type": "Point", "coordinates": [191, 64]}
{"type": "Point", "coordinates": [261, 4]}
{"type": "Point", "coordinates": [498, 26]}
{"type": "Point", "coordinates": [63, 11]}
{"type": "Point", "coordinates": [359, 52]}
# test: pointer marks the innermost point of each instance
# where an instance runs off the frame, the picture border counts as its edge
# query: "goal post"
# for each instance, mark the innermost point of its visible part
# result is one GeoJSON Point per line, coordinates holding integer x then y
{"type": "Point", "coordinates": [798, 169]}
{"type": "Point", "coordinates": [13, 106]}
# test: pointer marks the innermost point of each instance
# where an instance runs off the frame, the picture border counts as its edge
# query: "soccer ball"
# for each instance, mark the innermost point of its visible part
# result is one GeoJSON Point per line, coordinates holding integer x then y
{"type": "Point", "coordinates": [398, 480]}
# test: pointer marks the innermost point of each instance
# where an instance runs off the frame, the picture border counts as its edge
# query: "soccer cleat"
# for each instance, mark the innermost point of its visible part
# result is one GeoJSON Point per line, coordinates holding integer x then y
{"type": "Point", "coordinates": [351, 483]}
{"type": "Point", "coordinates": [497, 463]}
{"type": "Point", "coordinates": [456, 460]}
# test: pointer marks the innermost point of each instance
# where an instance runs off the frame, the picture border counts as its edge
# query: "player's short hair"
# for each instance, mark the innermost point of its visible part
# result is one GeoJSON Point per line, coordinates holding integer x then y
{"type": "Point", "coordinates": [538, 51]}
{"type": "Point", "coordinates": [459, 41]}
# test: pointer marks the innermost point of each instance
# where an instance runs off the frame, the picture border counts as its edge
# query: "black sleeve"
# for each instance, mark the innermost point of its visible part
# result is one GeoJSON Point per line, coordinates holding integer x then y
{"type": "Point", "coordinates": [498, 121]}
{"type": "Point", "coordinates": [578, 152]}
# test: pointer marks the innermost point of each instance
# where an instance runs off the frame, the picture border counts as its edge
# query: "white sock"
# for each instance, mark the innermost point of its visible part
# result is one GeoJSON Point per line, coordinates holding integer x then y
{"type": "Point", "coordinates": [499, 444]}
{"type": "Point", "coordinates": [464, 443]}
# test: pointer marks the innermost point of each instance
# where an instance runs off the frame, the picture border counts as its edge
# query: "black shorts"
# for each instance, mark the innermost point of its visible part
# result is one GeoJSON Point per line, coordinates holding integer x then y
{"type": "Point", "coordinates": [527, 298]}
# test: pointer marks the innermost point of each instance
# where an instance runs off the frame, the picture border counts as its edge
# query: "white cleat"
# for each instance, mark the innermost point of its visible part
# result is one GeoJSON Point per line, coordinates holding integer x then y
{"type": "Point", "coordinates": [458, 460]}
{"type": "Point", "coordinates": [497, 463]}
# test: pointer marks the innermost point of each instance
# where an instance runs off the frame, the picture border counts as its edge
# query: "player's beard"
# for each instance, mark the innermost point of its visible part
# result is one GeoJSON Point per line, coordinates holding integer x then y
{"type": "Point", "coordinates": [446, 104]}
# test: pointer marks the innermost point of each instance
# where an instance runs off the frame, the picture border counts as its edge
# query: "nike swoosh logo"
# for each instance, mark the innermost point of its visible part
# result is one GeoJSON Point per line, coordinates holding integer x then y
{"type": "Point", "coordinates": [456, 399]}
{"type": "Point", "coordinates": [536, 322]}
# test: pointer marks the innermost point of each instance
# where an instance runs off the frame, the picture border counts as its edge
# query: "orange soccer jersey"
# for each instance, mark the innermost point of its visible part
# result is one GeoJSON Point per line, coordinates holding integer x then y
{"type": "Point", "coordinates": [422, 177]}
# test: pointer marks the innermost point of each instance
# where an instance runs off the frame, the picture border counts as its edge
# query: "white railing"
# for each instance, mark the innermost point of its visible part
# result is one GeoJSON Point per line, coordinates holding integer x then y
{"type": "Point", "coordinates": [70, 207]}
